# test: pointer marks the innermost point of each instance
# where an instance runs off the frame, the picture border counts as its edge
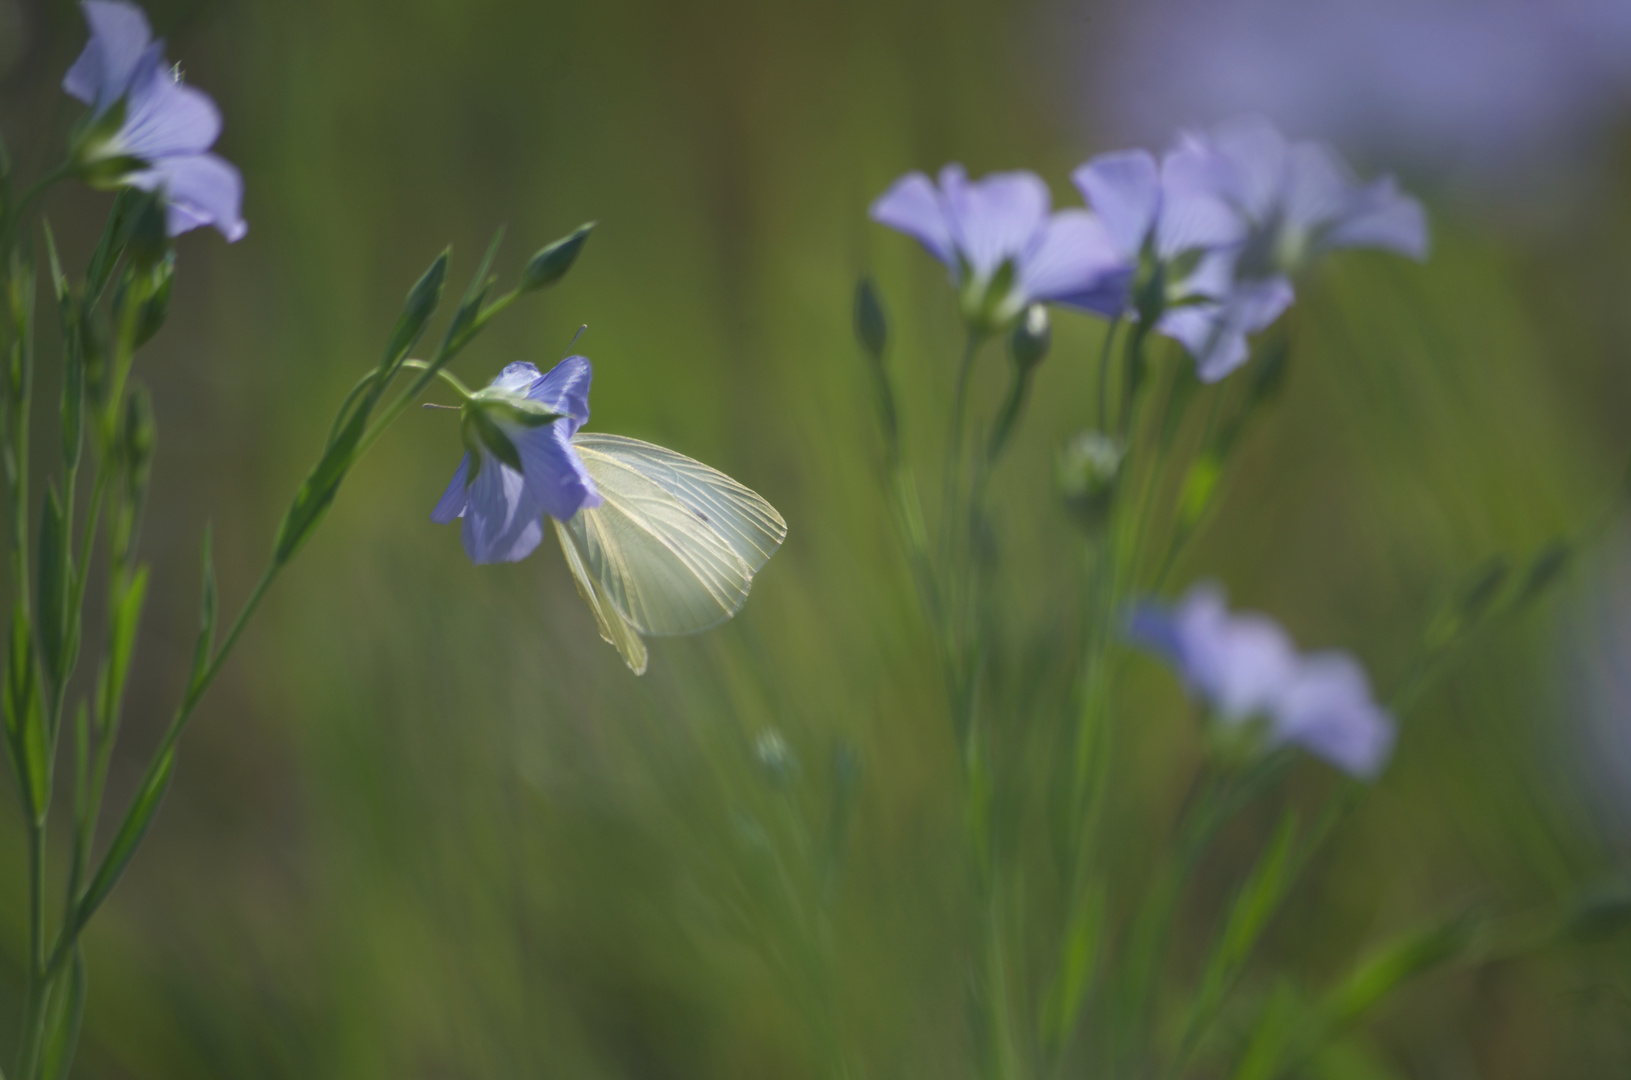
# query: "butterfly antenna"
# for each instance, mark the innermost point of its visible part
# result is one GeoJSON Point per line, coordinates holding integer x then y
{"type": "Point", "coordinates": [433, 405]}
{"type": "Point", "coordinates": [574, 340]}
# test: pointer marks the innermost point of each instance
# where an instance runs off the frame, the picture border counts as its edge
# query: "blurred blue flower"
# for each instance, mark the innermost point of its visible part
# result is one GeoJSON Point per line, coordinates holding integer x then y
{"type": "Point", "coordinates": [164, 127]}
{"type": "Point", "coordinates": [1299, 200]}
{"type": "Point", "coordinates": [1230, 217]}
{"type": "Point", "coordinates": [1487, 88]}
{"type": "Point", "coordinates": [1176, 219]}
{"type": "Point", "coordinates": [503, 507]}
{"type": "Point", "coordinates": [1245, 668]}
{"type": "Point", "coordinates": [1004, 248]}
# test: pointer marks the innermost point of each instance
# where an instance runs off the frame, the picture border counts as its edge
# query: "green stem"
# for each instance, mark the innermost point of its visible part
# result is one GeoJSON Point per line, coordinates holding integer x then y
{"type": "Point", "coordinates": [1104, 373]}
{"type": "Point", "coordinates": [8, 226]}
{"type": "Point", "coordinates": [68, 937]}
{"type": "Point", "coordinates": [39, 976]}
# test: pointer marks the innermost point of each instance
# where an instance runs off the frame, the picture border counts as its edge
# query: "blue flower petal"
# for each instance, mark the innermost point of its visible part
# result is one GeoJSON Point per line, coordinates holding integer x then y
{"type": "Point", "coordinates": [1196, 210]}
{"type": "Point", "coordinates": [450, 507]}
{"type": "Point", "coordinates": [1074, 256]}
{"type": "Point", "coordinates": [566, 390]}
{"type": "Point", "coordinates": [103, 72]}
{"type": "Point", "coordinates": [503, 521]}
{"type": "Point", "coordinates": [1124, 190]}
{"type": "Point", "coordinates": [996, 218]}
{"type": "Point", "coordinates": [1327, 710]}
{"type": "Point", "coordinates": [516, 378]}
{"type": "Point", "coordinates": [1382, 217]}
{"type": "Point", "coordinates": [913, 206]}
{"type": "Point", "coordinates": [556, 476]}
{"type": "Point", "coordinates": [165, 117]}
{"type": "Point", "coordinates": [1214, 332]}
{"type": "Point", "coordinates": [202, 189]}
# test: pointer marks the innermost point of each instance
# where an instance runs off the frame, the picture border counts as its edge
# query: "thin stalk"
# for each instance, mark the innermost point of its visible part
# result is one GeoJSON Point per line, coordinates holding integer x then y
{"type": "Point", "coordinates": [1104, 373]}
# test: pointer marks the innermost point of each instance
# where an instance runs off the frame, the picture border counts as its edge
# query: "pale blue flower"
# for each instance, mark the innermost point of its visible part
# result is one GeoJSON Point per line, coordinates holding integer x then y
{"type": "Point", "coordinates": [1299, 200]}
{"type": "Point", "coordinates": [167, 127]}
{"type": "Point", "coordinates": [1003, 246]}
{"type": "Point", "coordinates": [1231, 216]}
{"type": "Point", "coordinates": [1175, 216]}
{"type": "Point", "coordinates": [1245, 668]}
{"type": "Point", "coordinates": [502, 507]}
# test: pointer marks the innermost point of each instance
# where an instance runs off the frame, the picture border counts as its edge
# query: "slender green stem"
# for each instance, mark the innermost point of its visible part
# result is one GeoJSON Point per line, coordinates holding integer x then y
{"type": "Point", "coordinates": [1104, 373]}
{"type": "Point", "coordinates": [959, 413]}
{"type": "Point", "coordinates": [67, 938]}
{"type": "Point", "coordinates": [38, 975]}
{"type": "Point", "coordinates": [13, 217]}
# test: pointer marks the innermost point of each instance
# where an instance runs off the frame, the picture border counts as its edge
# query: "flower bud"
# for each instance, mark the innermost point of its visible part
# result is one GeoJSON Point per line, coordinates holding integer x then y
{"type": "Point", "coordinates": [149, 236]}
{"type": "Point", "coordinates": [551, 264]}
{"type": "Point", "coordinates": [137, 433]}
{"type": "Point", "coordinates": [775, 756]}
{"type": "Point", "coordinates": [1031, 337]}
{"type": "Point", "coordinates": [871, 325]}
{"type": "Point", "coordinates": [420, 305]}
{"type": "Point", "coordinates": [157, 305]}
{"type": "Point", "coordinates": [1088, 470]}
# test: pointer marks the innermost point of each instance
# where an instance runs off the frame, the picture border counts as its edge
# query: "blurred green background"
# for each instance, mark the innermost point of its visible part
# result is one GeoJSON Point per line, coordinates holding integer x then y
{"type": "Point", "coordinates": [428, 825]}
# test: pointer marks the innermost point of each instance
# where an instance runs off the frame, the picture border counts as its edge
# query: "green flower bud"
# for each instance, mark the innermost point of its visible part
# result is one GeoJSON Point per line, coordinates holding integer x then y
{"type": "Point", "coordinates": [551, 264]}
{"type": "Point", "coordinates": [137, 433]}
{"type": "Point", "coordinates": [420, 305]}
{"type": "Point", "coordinates": [1088, 471]}
{"type": "Point", "coordinates": [1031, 337]}
{"type": "Point", "coordinates": [149, 237]}
{"type": "Point", "coordinates": [157, 305]}
{"type": "Point", "coordinates": [871, 325]}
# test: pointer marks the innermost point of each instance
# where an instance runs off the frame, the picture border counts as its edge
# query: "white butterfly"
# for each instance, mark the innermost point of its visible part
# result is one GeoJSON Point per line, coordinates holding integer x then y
{"type": "Point", "coordinates": [673, 547]}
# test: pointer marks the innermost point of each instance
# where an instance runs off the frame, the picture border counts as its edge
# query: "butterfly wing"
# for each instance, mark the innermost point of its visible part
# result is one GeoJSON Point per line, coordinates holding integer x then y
{"type": "Point", "coordinates": [613, 627]}
{"type": "Point", "coordinates": [675, 544]}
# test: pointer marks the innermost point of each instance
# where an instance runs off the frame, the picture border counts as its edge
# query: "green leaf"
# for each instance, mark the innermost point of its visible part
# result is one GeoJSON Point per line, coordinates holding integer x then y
{"type": "Point", "coordinates": [423, 300]}
{"type": "Point", "coordinates": [73, 356]}
{"type": "Point", "coordinates": [25, 720]}
{"type": "Point", "coordinates": [1406, 958]}
{"type": "Point", "coordinates": [156, 307]}
{"type": "Point", "coordinates": [1547, 566]}
{"type": "Point", "coordinates": [115, 235]}
{"type": "Point", "coordinates": [129, 837]}
{"type": "Point", "coordinates": [1254, 906]}
{"type": "Point", "coordinates": [55, 569]}
{"type": "Point", "coordinates": [463, 325]}
{"type": "Point", "coordinates": [123, 622]}
{"type": "Point", "coordinates": [205, 646]}
{"type": "Point", "coordinates": [1084, 941]}
{"type": "Point", "coordinates": [551, 263]}
{"type": "Point", "coordinates": [1482, 590]}
{"type": "Point", "coordinates": [317, 492]}
{"type": "Point", "coordinates": [1280, 1022]}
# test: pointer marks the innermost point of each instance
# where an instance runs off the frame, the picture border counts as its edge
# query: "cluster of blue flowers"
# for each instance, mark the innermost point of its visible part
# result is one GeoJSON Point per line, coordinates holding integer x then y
{"type": "Point", "coordinates": [1203, 245]}
{"type": "Point", "coordinates": [1245, 669]}
{"type": "Point", "coordinates": [1204, 242]}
